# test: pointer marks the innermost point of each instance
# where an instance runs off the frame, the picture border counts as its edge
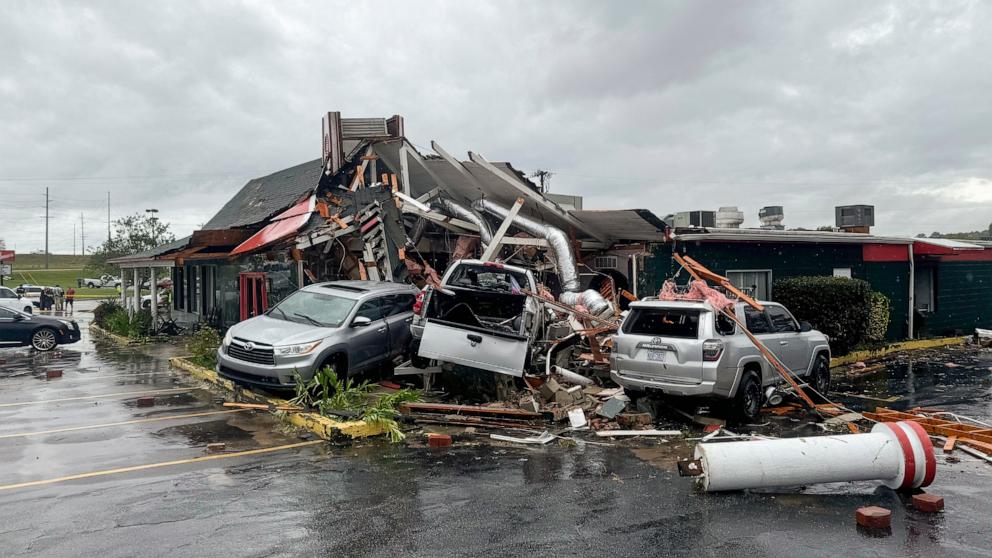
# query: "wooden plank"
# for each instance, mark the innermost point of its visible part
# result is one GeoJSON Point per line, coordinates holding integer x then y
{"type": "Point", "coordinates": [949, 444]}
{"type": "Point", "coordinates": [468, 410]}
{"type": "Point", "coordinates": [493, 247]}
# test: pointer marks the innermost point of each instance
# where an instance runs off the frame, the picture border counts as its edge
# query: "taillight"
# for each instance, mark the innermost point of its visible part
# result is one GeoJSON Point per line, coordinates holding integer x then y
{"type": "Point", "coordinates": [712, 349]}
{"type": "Point", "coordinates": [418, 304]}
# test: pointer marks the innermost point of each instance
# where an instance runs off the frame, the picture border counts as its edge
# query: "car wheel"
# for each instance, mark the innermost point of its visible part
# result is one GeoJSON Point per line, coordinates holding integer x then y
{"type": "Point", "coordinates": [91, 285]}
{"type": "Point", "coordinates": [44, 339]}
{"type": "Point", "coordinates": [28, 310]}
{"type": "Point", "coordinates": [747, 402]}
{"type": "Point", "coordinates": [820, 378]}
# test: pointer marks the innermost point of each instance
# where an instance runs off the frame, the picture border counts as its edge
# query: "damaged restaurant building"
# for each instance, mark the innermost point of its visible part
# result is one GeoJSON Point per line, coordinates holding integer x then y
{"type": "Point", "coordinates": [373, 206]}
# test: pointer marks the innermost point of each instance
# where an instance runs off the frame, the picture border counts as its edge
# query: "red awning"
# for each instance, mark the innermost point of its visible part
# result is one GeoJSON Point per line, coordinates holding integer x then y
{"type": "Point", "coordinates": [283, 225]}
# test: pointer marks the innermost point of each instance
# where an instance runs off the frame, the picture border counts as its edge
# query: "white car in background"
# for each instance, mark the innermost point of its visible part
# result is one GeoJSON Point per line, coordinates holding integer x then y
{"type": "Point", "coordinates": [14, 301]}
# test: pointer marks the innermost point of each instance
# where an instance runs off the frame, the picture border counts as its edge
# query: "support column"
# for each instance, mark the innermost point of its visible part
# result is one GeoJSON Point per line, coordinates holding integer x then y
{"type": "Point", "coordinates": [154, 292]}
{"type": "Point", "coordinates": [136, 299]}
{"type": "Point", "coordinates": [123, 288]}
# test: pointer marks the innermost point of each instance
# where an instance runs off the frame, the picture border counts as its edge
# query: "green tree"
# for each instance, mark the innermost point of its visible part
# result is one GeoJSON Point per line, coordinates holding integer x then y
{"type": "Point", "coordinates": [132, 234]}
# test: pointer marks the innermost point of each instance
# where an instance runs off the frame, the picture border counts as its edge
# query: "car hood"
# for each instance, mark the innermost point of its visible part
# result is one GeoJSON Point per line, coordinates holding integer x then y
{"type": "Point", "coordinates": [49, 320]}
{"type": "Point", "coordinates": [272, 331]}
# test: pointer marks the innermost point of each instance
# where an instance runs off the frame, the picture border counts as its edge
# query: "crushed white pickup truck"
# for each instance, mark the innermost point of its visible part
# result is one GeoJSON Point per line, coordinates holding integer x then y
{"type": "Point", "coordinates": [479, 317]}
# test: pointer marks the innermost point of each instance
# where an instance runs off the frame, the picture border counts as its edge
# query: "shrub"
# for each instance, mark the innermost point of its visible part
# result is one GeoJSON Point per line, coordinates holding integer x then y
{"type": "Point", "coordinates": [103, 310]}
{"type": "Point", "coordinates": [878, 318]}
{"type": "Point", "coordinates": [202, 347]}
{"type": "Point", "coordinates": [116, 320]}
{"type": "Point", "coordinates": [837, 306]}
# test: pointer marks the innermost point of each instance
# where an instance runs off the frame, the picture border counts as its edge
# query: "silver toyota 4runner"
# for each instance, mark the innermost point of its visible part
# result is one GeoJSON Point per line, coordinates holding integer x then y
{"type": "Point", "coordinates": [685, 348]}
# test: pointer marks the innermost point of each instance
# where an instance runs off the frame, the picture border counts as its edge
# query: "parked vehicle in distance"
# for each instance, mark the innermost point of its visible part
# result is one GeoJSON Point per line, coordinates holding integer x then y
{"type": "Point", "coordinates": [43, 333]}
{"type": "Point", "coordinates": [29, 291]}
{"type": "Point", "coordinates": [103, 281]}
{"type": "Point", "coordinates": [685, 348]}
{"type": "Point", "coordinates": [351, 326]}
{"type": "Point", "coordinates": [479, 317]}
{"type": "Point", "coordinates": [14, 301]}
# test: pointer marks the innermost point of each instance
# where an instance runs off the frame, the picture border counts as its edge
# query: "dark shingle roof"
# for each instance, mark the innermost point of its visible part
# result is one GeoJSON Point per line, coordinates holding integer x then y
{"type": "Point", "coordinates": [154, 252]}
{"type": "Point", "coordinates": [262, 197]}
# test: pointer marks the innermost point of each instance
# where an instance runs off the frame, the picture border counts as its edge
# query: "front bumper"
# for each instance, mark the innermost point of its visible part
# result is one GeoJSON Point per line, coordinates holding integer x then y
{"type": "Point", "coordinates": [279, 375]}
{"type": "Point", "coordinates": [69, 335]}
{"type": "Point", "coordinates": [686, 389]}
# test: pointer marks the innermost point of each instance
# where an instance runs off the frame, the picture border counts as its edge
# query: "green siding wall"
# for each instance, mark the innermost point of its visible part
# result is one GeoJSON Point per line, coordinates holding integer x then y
{"type": "Point", "coordinates": [963, 298]}
{"type": "Point", "coordinates": [892, 280]}
{"type": "Point", "coordinates": [789, 260]}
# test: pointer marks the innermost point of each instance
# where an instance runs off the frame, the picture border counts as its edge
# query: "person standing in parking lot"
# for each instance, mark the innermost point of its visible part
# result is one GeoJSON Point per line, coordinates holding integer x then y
{"type": "Point", "coordinates": [70, 297]}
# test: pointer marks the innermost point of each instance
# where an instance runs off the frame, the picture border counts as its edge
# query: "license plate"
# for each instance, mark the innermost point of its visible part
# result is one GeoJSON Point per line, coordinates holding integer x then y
{"type": "Point", "coordinates": [656, 356]}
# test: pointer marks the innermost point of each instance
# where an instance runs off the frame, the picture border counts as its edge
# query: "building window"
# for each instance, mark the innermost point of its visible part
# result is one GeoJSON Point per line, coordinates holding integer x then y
{"type": "Point", "coordinates": [842, 272]}
{"type": "Point", "coordinates": [756, 283]}
{"type": "Point", "coordinates": [605, 262]}
{"type": "Point", "coordinates": [923, 289]}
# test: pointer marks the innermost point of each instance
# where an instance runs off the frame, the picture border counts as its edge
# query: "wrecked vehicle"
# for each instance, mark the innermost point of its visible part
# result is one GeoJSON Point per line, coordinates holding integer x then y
{"type": "Point", "coordinates": [685, 348]}
{"type": "Point", "coordinates": [351, 326]}
{"type": "Point", "coordinates": [479, 317]}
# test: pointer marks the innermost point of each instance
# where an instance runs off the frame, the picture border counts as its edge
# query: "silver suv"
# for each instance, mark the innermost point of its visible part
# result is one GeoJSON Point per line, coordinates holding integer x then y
{"type": "Point", "coordinates": [351, 326]}
{"type": "Point", "coordinates": [685, 348]}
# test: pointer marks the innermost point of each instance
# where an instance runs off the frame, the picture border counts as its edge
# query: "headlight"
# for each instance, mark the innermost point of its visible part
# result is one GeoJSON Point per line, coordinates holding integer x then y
{"type": "Point", "coordinates": [301, 349]}
{"type": "Point", "coordinates": [227, 338]}
{"type": "Point", "coordinates": [67, 323]}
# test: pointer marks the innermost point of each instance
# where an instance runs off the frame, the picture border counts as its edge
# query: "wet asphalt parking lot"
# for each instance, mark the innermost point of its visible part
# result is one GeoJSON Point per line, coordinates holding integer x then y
{"type": "Point", "coordinates": [372, 498]}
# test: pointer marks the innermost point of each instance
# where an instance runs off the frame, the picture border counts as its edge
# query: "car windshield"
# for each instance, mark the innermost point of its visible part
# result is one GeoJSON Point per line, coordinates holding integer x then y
{"type": "Point", "coordinates": [489, 277]}
{"type": "Point", "coordinates": [663, 322]}
{"type": "Point", "coordinates": [312, 308]}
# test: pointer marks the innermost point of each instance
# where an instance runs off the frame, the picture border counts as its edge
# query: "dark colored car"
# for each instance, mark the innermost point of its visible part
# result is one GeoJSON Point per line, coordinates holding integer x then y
{"type": "Point", "coordinates": [44, 333]}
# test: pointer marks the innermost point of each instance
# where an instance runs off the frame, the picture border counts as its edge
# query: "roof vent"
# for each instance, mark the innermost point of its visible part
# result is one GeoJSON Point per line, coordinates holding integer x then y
{"type": "Point", "coordinates": [771, 217]}
{"type": "Point", "coordinates": [729, 217]}
{"type": "Point", "coordinates": [855, 218]}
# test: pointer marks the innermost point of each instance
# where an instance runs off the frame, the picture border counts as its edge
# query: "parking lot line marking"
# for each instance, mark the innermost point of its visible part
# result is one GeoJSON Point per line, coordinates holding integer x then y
{"type": "Point", "coordinates": [121, 423]}
{"type": "Point", "coordinates": [96, 377]}
{"type": "Point", "coordinates": [176, 391]}
{"type": "Point", "coordinates": [158, 465]}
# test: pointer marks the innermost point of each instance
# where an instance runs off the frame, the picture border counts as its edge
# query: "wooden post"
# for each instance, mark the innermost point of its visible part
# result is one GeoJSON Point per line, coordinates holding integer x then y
{"type": "Point", "coordinates": [493, 247]}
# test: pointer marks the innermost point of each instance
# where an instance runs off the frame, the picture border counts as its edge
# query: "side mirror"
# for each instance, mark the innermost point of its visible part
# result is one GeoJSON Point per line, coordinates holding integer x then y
{"type": "Point", "coordinates": [19, 317]}
{"type": "Point", "coordinates": [360, 321]}
{"type": "Point", "coordinates": [804, 327]}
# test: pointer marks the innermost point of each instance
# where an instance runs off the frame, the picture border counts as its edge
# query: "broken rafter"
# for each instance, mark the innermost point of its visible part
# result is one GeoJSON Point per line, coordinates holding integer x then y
{"type": "Point", "coordinates": [493, 246]}
{"type": "Point", "coordinates": [611, 324]}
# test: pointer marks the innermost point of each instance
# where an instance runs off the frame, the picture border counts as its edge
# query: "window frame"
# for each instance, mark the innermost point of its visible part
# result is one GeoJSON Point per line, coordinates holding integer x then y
{"type": "Point", "coordinates": [792, 319]}
{"type": "Point", "coordinates": [771, 279]}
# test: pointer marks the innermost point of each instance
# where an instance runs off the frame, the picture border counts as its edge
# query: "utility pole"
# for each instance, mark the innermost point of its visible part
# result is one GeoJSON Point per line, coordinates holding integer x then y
{"type": "Point", "coordinates": [545, 179]}
{"type": "Point", "coordinates": [108, 219]}
{"type": "Point", "coordinates": [82, 234]}
{"type": "Point", "coordinates": [73, 239]}
{"type": "Point", "coordinates": [46, 227]}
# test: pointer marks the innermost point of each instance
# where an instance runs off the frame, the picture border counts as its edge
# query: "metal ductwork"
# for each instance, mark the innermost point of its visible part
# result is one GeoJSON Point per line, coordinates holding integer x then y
{"type": "Point", "coordinates": [591, 299]}
{"type": "Point", "coordinates": [568, 272]}
{"type": "Point", "coordinates": [454, 209]}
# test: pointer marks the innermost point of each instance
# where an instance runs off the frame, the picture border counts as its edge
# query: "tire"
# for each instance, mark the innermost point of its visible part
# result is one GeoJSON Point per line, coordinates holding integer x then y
{"type": "Point", "coordinates": [28, 310]}
{"type": "Point", "coordinates": [44, 339]}
{"type": "Point", "coordinates": [91, 285]}
{"type": "Point", "coordinates": [819, 378]}
{"type": "Point", "coordinates": [748, 400]}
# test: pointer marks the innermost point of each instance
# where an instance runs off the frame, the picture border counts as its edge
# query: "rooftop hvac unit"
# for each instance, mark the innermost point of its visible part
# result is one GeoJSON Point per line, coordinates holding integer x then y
{"type": "Point", "coordinates": [771, 217]}
{"type": "Point", "coordinates": [855, 216]}
{"type": "Point", "coordinates": [700, 218]}
{"type": "Point", "coordinates": [729, 217]}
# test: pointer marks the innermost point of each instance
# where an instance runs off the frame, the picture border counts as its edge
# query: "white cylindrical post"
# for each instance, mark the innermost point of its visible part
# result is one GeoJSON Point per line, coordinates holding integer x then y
{"type": "Point", "coordinates": [899, 454]}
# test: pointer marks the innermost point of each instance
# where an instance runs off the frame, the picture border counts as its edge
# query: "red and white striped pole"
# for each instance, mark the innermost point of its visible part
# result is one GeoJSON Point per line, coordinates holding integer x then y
{"type": "Point", "coordinates": [899, 454]}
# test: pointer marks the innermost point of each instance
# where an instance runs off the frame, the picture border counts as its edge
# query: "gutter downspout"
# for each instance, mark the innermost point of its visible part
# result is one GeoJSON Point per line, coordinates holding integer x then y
{"type": "Point", "coordinates": [912, 289]}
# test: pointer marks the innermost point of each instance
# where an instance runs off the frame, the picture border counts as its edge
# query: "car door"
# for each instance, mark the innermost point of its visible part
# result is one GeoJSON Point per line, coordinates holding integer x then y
{"type": "Point", "coordinates": [15, 328]}
{"type": "Point", "coordinates": [9, 299]}
{"type": "Point", "coordinates": [398, 309]}
{"type": "Point", "coordinates": [368, 344]}
{"type": "Point", "coordinates": [790, 342]}
{"type": "Point", "coordinates": [757, 323]}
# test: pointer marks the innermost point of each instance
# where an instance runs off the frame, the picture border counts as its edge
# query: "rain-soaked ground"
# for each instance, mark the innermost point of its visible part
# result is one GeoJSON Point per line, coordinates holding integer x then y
{"type": "Point", "coordinates": [401, 500]}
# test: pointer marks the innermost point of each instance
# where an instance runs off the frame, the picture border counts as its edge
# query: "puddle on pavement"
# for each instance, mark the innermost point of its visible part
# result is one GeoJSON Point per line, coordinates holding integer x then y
{"type": "Point", "coordinates": [239, 431]}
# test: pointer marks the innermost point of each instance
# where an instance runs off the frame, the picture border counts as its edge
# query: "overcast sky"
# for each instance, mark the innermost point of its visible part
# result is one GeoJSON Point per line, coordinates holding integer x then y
{"type": "Point", "coordinates": [665, 105]}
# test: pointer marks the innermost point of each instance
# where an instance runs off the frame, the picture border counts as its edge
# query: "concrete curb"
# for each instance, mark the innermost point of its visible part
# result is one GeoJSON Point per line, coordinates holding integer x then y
{"type": "Point", "coordinates": [119, 339]}
{"type": "Point", "coordinates": [322, 426]}
{"type": "Point", "coordinates": [913, 345]}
